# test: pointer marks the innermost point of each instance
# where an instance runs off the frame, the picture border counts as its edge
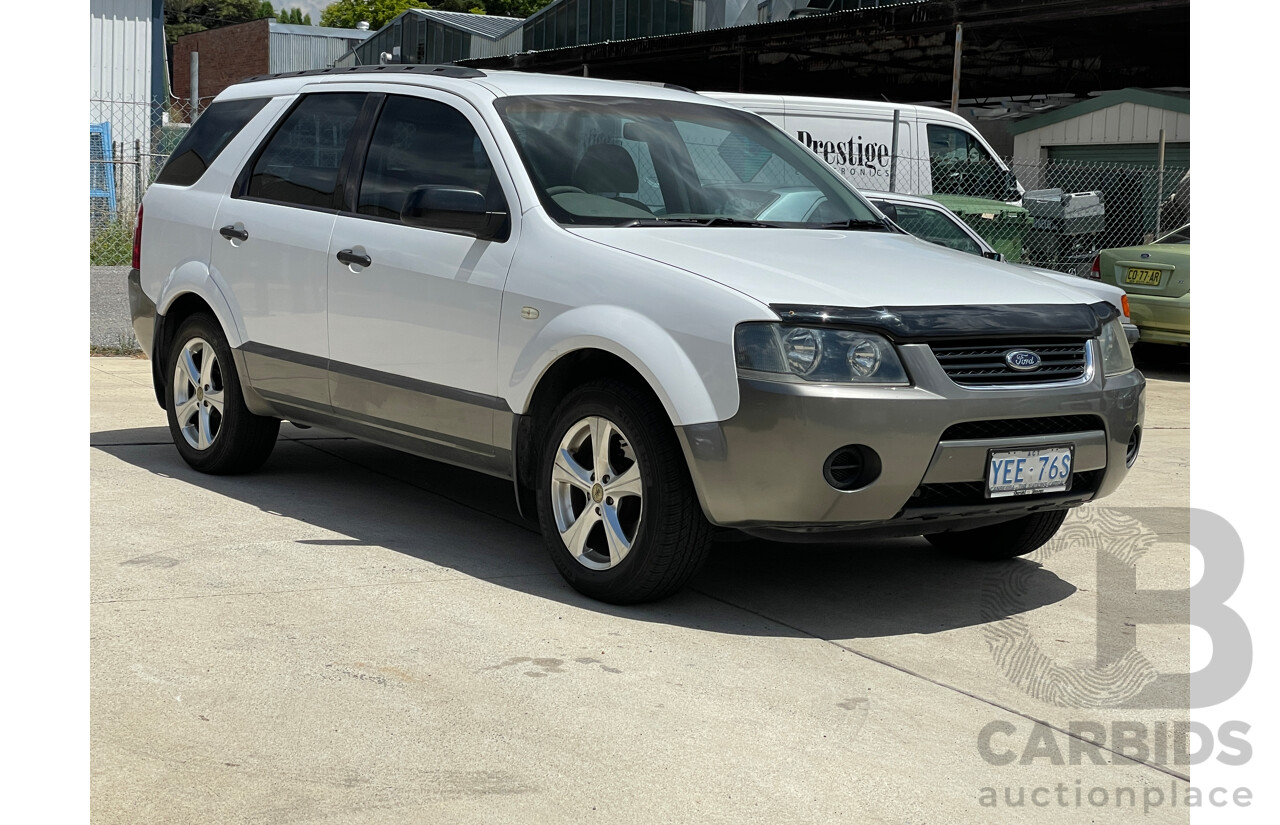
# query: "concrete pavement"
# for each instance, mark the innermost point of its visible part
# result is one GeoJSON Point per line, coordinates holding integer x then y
{"type": "Point", "coordinates": [354, 635]}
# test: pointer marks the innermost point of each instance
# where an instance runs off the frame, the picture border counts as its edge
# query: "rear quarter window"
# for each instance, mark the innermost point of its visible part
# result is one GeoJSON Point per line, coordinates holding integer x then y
{"type": "Point", "coordinates": [206, 139]}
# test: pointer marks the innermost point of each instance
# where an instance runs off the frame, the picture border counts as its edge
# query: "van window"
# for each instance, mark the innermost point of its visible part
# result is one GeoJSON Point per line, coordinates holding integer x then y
{"type": "Point", "coordinates": [206, 139]}
{"type": "Point", "coordinates": [420, 142]}
{"type": "Point", "coordinates": [961, 165]}
{"type": "Point", "coordinates": [299, 165]}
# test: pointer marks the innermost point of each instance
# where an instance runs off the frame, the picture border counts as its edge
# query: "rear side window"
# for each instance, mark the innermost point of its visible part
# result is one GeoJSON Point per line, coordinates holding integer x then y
{"type": "Point", "coordinates": [206, 139]}
{"type": "Point", "coordinates": [299, 165]}
{"type": "Point", "coordinates": [934, 226]}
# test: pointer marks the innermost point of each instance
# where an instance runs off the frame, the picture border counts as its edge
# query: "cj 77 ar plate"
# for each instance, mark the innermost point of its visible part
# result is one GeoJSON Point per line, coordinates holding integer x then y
{"type": "Point", "coordinates": [1027, 472]}
{"type": "Point", "coordinates": [1143, 277]}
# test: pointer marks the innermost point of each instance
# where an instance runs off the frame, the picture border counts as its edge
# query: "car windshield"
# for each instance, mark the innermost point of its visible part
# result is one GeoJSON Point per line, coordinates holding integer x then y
{"type": "Point", "coordinates": [1180, 235]}
{"type": "Point", "coordinates": [620, 161]}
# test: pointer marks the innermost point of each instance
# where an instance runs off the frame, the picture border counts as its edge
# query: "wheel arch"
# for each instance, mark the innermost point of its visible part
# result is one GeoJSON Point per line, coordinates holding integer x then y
{"type": "Point", "coordinates": [177, 305]}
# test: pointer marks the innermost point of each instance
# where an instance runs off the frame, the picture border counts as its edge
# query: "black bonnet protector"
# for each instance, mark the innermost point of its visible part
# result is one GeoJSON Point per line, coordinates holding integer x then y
{"type": "Point", "coordinates": [933, 323]}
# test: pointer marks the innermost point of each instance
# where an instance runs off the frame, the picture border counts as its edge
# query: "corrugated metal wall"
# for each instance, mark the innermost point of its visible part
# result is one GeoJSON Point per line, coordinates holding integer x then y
{"type": "Point", "coordinates": [120, 49]}
{"type": "Point", "coordinates": [510, 44]}
{"type": "Point", "coordinates": [120, 60]}
{"type": "Point", "coordinates": [299, 52]}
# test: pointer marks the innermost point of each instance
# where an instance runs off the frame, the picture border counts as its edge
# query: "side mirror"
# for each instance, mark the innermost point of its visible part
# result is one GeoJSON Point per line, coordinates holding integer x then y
{"type": "Point", "coordinates": [994, 256]}
{"type": "Point", "coordinates": [887, 209]}
{"type": "Point", "coordinates": [456, 210]}
{"type": "Point", "coordinates": [1010, 186]}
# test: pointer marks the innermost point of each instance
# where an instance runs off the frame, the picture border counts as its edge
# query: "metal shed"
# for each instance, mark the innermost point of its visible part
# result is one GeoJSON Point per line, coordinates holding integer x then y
{"type": "Point", "coordinates": [430, 36]}
{"type": "Point", "coordinates": [296, 48]}
{"type": "Point", "coordinates": [1113, 143]}
{"type": "Point", "coordinates": [1115, 127]}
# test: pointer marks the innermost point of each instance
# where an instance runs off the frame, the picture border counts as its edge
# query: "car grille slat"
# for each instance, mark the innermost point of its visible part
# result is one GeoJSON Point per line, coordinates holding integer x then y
{"type": "Point", "coordinates": [982, 364]}
{"type": "Point", "coordinates": [1016, 427]}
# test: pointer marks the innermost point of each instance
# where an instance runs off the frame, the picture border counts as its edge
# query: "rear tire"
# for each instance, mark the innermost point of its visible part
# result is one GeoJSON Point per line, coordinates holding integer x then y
{"type": "Point", "coordinates": [211, 426]}
{"type": "Point", "coordinates": [617, 508]}
{"type": "Point", "coordinates": [997, 542]}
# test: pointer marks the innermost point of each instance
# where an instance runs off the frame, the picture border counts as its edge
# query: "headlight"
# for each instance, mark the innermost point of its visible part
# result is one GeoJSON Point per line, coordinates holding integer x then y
{"type": "Point", "coordinates": [1116, 357]}
{"type": "Point", "coordinates": [835, 356]}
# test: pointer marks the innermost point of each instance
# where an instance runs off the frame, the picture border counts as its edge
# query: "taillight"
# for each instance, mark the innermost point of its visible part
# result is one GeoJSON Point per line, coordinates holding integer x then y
{"type": "Point", "coordinates": [1124, 304]}
{"type": "Point", "coordinates": [1095, 271]}
{"type": "Point", "coordinates": [137, 240]}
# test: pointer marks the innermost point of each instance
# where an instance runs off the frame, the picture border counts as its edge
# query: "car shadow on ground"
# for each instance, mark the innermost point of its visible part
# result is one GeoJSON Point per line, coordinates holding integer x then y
{"type": "Point", "coordinates": [468, 522]}
{"type": "Point", "coordinates": [1163, 361]}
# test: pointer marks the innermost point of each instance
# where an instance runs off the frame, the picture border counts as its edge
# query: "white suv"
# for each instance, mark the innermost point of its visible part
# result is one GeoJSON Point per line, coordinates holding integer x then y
{"type": "Point", "coordinates": [608, 294]}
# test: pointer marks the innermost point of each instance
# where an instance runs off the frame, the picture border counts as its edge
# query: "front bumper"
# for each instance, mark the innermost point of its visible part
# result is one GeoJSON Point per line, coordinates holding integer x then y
{"type": "Point", "coordinates": [763, 468]}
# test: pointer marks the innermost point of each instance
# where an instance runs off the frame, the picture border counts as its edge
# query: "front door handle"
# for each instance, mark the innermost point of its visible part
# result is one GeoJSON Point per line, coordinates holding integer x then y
{"type": "Point", "coordinates": [351, 258]}
{"type": "Point", "coordinates": [231, 233]}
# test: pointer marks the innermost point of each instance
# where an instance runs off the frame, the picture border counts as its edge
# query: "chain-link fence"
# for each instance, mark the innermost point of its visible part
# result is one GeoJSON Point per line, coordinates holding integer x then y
{"type": "Point", "coordinates": [1068, 211]}
{"type": "Point", "coordinates": [129, 142]}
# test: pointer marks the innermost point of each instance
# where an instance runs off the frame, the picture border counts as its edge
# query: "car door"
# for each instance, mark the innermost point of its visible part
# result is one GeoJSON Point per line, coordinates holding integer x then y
{"type": "Point", "coordinates": [413, 312]}
{"type": "Point", "coordinates": [272, 246]}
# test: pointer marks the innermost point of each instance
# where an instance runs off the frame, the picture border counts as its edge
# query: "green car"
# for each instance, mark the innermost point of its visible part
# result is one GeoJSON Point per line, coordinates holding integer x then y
{"type": "Point", "coordinates": [1157, 278]}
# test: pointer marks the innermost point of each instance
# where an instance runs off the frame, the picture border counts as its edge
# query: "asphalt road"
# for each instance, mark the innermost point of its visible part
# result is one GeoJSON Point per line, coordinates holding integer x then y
{"type": "Point", "coordinates": [354, 635]}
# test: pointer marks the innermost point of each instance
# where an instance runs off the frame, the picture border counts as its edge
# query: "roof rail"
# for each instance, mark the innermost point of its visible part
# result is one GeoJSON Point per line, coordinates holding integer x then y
{"type": "Point", "coordinates": [390, 68]}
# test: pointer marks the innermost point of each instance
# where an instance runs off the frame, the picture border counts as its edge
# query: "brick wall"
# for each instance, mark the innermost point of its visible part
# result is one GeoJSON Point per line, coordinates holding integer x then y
{"type": "Point", "coordinates": [227, 55]}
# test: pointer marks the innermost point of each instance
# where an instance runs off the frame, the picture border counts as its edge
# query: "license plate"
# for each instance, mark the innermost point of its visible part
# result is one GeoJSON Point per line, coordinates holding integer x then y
{"type": "Point", "coordinates": [1027, 472]}
{"type": "Point", "coordinates": [1143, 277]}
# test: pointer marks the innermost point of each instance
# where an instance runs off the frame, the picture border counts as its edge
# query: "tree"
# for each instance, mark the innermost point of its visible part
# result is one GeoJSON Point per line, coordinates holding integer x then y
{"type": "Point", "coordinates": [187, 16]}
{"type": "Point", "coordinates": [345, 14]}
{"type": "Point", "coordinates": [513, 8]}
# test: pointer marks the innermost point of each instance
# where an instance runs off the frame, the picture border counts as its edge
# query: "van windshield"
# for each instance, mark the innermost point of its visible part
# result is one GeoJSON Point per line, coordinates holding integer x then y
{"type": "Point", "coordinates": [620, 161]}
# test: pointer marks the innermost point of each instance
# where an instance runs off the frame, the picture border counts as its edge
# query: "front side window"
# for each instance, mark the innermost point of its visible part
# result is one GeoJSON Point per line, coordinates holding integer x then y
{"type": "Point", "coordinates": [420, 142]}
{"type": "Point", "coordinates": [299, 165]}
{"type": "Point", "coordinates": [961, 165]}
{"type": "Point", "coordinates": [206, 139]}
{"type": "Point", "coordinates": [638, 162]}
{"type": "Point", "coordinates": [935, 226]}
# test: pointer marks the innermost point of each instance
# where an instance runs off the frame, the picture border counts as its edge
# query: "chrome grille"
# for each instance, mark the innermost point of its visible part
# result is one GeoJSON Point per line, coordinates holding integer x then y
{"type": "Point", "coordinates": [982, 363]}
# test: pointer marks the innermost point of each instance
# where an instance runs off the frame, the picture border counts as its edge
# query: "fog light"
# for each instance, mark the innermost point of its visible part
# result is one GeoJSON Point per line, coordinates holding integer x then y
{"type": "Point", "coordinates": [1131, 451]}
{"type": "Point", "coordinates": [851, 467]}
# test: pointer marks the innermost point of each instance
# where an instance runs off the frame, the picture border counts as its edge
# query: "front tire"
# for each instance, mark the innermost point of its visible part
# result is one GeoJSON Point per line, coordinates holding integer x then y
{"type": "Point", "coordinates": [997, 542]}
{"type": "Point", "coordinates": [211, 426]}
{"type": "Point", "coordinates": [617, 508]}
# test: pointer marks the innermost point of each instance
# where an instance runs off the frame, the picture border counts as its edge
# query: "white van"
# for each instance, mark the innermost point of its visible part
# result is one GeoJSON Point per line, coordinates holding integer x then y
{"type": "Point", "coordinates": [937, 152]}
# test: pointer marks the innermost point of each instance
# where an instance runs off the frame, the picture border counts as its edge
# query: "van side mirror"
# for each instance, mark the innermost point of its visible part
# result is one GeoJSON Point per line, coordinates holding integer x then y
{"type": "Point", "coordinates": [456, 210]}
{"type": "Point", "coordinates": [993, 256]}
{"type": "Point", "coordinates": [1010, 186]}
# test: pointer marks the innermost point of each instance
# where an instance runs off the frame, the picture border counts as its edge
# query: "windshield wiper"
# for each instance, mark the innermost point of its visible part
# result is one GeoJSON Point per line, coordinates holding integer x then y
{"type": "Point", "coordinates": [713, 220]}
{"type": "Point", "coordinates": [858, 223]}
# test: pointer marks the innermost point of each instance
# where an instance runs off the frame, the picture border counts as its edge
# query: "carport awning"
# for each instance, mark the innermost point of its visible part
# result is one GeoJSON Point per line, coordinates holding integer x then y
{"type": "Point", "coordinates": [904, 53]}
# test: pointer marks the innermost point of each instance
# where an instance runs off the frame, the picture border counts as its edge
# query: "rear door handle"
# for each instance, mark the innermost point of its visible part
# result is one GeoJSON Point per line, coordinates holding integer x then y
{"type": "Point", "coordinates": [233, 234]}
{"type": "Point", "coordinates": [351, 258]}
